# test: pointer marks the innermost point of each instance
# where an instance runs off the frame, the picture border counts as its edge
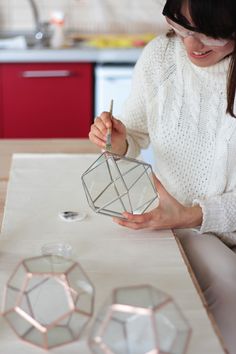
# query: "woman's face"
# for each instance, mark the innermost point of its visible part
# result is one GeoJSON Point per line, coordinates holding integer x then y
{"type": "Point", "coordinates": [200, 54]}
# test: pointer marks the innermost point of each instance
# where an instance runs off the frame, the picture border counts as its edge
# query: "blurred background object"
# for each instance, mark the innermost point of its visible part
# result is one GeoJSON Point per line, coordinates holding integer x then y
{"type": "Point", "coordinates": [41, 31]}
{"type": "Point", "coordinates": [66, 59]}
{"type": "Point", "coordinates": [85, 16]}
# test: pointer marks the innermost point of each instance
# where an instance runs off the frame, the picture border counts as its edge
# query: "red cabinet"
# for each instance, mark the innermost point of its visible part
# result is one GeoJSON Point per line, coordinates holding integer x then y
{"type": "Point", "coordinates": [46, 100]}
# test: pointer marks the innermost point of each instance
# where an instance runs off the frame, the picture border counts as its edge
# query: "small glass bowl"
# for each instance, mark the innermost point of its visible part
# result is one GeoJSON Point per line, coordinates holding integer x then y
{"type": "Point", "coordinates": [61, 249]}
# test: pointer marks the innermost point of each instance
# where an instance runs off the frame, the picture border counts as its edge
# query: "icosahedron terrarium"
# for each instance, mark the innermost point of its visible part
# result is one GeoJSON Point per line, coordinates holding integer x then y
{"type": "Point", "coordinates": [115, 184]}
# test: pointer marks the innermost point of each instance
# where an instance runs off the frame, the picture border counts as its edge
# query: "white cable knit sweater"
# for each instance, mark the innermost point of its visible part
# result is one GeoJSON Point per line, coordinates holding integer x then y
{"type": "Point", "coordinates": [180, 109]}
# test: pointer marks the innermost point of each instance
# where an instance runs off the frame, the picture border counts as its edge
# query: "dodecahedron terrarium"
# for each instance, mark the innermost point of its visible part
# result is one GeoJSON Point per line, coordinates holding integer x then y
{"type": "Point", "coordinates": [48, 301]}
{"type": "Point", "coordinates": [139, 320]}
{"type": "Point", "coordinates": [115, 184]}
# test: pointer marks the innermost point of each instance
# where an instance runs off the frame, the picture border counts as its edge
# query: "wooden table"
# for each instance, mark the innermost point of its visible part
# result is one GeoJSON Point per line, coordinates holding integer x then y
{"type": "Point", "coordinates": [8, 147]}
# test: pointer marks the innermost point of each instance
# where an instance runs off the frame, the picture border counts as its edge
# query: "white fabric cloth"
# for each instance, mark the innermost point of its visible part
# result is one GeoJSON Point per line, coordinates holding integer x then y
{"type": "Point", "coordinates": [181, 110]}
{"type": "Point", "coordinates": [41, 187]}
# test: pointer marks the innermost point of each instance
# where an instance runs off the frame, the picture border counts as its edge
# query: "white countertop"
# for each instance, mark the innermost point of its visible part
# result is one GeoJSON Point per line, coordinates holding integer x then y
{"type": "Point", "coordinates": [70, 55]}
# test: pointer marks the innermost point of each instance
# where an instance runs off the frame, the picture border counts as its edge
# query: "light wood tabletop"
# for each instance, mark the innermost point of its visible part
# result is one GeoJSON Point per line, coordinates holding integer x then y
{"type": "Point", "coordinates": [74, 146]}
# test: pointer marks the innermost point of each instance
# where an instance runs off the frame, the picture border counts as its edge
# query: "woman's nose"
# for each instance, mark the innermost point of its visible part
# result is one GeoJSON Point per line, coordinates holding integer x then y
{"type": "Point", "coordinates": [193, 43]}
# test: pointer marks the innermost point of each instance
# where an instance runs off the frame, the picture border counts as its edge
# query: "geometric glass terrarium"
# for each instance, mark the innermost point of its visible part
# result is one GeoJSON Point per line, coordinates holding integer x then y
{"type": "Point", "coordinates": [48, 301]}
{"type": "Point", "coordinates": [139, 320]}
{"type": "Point", "coordinates": [114, 184]}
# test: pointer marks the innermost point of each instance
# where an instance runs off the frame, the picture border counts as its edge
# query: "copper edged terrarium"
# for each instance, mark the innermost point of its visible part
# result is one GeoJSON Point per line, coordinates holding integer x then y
{"type": "Point", "coordinates": [115, 184]}
{"type": "Point", "coordinates": [48, 301]}
{"type": "Point", "coordinates": [139, 320]}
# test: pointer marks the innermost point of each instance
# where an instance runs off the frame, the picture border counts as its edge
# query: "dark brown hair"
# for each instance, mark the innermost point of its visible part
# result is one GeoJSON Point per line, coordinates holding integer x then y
{"type": "Point", "coordinates": [214, 18]}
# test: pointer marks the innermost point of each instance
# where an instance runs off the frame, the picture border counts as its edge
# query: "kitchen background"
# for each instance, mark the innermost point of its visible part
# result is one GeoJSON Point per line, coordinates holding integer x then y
{"type": "Point", "coordinates": [56, 93]}
{"type": "Point", "coordinates": [97, 16]}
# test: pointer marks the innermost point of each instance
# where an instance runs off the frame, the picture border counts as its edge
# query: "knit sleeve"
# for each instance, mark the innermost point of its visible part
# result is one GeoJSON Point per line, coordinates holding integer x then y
{"type": "Point", "coordinates": [135, 112]}
{"type": "Point", "coordinates": [219, 211]}
{"type": "Point", "coordinates": [219, 216]}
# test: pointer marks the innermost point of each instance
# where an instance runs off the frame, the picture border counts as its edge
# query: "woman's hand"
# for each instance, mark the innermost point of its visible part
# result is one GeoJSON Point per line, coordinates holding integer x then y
{"type": "Point", "coordinates": [169, 214]}
{"type": "Point", "coordinates": [98, 133]}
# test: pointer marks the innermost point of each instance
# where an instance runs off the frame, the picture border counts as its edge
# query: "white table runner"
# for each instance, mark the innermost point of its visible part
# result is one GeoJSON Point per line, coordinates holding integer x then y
{"type": "Point", "coordinates": [40, 187]}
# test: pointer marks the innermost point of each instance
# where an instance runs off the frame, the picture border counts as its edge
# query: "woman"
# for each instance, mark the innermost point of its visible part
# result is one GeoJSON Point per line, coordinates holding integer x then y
{"type": "Point", "coordinates": [182, 102]}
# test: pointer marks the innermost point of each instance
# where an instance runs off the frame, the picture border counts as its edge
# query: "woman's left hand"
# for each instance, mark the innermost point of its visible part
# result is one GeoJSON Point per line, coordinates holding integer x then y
{"type": "Point", "coordinates": [169, 214]}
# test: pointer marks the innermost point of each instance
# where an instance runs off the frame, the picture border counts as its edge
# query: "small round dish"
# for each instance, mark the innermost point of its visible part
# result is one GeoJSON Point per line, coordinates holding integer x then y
{"type": "Point", "coordinates": [70, 216]}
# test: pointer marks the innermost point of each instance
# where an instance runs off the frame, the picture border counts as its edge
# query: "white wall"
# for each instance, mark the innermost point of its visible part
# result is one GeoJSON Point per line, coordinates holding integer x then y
{"type": "Point", "coordinates": [87, 15]}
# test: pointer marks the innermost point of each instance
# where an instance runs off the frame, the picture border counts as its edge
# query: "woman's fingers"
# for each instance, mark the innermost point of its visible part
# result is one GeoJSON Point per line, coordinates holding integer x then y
{"type": "Point", "coordinates": [99, 142]}
{"type": "Point", "coordinates": [95, 131]}
{"type": "Point", "coordinates": [130, 224]}
{"type": "Point", "coordinates": [96, 136]}
{"type": "Point", "coordinates": [99, 130]}
{"type": "Point", "coordinates": [135, 221]}
{"type": "Point", "coordinates": [118, 126]}
{"type": "Point", "coordinates": [100, 125]}
{"type": "Point", "coordinates": [106, 119]}
{"type": "Point", "coordinates": [138, 218]}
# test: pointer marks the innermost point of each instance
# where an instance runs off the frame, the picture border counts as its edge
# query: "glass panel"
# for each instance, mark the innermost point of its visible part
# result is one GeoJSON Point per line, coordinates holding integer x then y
{"type": "Point", "coordinates": [59, 335]}
{"type": "Point", "coordinates": [77, 323]}
{"type": "Point", "coordinates": [140, 334]}
{"type": "Point", "coordinates": [49, 301]}
{"type": "Point", "coordinates": [97, 180]}
{"type": "Point", "coordinates": [172, 329]}
{"type": "Point", "coordinates": [36, 337]}
{"type": "Point", "coordinates": [115, 337]}
{"type": "Point", "coordinates": [18, 278]}
{"type": "Point", "coordinates": [18, 323]}
{"type": "Point", "coordinates": [11, 298]}
{"type": "Point", "coordinates": [139, 297]}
